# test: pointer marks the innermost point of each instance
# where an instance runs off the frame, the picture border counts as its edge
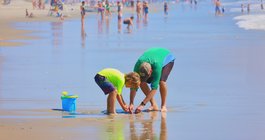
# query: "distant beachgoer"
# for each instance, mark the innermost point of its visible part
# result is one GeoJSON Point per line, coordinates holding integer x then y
{"type": "Point", "coordinates": [101, 9]}
{"type": "Point", "coordinates": [223, 9]}
{"type": "Point", "coordinates": [154, 67]}
{"type": "Point", "coordinates": [138, 8]}
{"type": "Point", "coordinates": [248, 7]}
{"type": "Point", "coordinates": [111, 81]}
{"type": "Point", "coordinates": [242, 8]}
{"type": "Point", "coordinates": [119, 10]}
{"type": "Point", "coordinates": [34, 4]}
{"type": "Point", "coordinates": [108, 12]}
{"type": "Point", "coordinates": [132, 3]}
{"type": "Point", "coordinates": [29, 15]}
{"type": "Point", "coordinates": [217, 7]}
{"type": "Point", "coordinates": [195, 2]}
{"type": "Point", "coordinates": [41, 4]}
{"type": "Point", "coordinates": [55, 10]}
{"type": "Point", "coordinates": [146, 9]}
{"type": "Point", "coordinates": [165, 8]}
{"type": "Point", "coordinates": [128, 21]}
{"type": "Point", "coordinates": [83, 12]}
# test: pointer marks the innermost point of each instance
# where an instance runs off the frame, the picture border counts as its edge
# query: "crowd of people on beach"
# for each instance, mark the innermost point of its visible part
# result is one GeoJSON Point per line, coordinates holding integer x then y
{"type": "Point", "coordinates": [105, 9]}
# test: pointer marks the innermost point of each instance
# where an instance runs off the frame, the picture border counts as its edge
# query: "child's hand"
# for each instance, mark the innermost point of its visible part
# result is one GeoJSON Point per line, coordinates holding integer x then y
{"type": "Point", "coordinates": [131, 107]}
{"type": "Point", "coordinates": [126, 108]}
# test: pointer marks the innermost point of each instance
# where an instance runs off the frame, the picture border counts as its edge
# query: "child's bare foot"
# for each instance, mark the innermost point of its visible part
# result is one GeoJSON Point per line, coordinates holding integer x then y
{"type": "Point", "coordinates": [112, 113]}
{"type": "Point", "coordinates": [163, 109]}
{"type": "Point", "coordinates": [153, 108]}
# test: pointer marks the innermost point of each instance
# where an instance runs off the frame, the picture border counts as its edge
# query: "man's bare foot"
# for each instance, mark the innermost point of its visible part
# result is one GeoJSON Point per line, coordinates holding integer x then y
{"type": "Point", "coordinates": [163, 109]}
{"type": "Point", "coordinates": [153, 108]}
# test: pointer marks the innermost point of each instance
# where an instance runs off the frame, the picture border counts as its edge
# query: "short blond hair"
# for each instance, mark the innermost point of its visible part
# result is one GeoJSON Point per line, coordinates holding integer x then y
{"type": "Point", "coordinates": [133, 78]}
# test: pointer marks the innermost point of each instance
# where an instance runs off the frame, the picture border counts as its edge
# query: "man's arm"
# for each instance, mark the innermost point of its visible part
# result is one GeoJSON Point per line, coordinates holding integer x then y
{"type": "Point", "coordinates": [149, 96]}
{"type": "Point", "coordinates": [146, 99]}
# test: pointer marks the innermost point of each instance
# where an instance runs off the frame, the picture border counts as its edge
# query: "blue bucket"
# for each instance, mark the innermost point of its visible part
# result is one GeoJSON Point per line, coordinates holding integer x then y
{"type": "Point", "coordinates": [68, 102]}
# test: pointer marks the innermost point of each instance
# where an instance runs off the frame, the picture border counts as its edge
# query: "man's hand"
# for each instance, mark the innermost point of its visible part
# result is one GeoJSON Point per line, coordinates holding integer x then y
{"type": "Point", "coordinates": [139, 109]}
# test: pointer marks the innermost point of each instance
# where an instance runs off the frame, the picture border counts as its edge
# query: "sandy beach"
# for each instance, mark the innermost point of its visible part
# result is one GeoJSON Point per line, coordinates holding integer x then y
{"type": "Point", "coordinates": [215, 90]}
{"type": "Point", "coordinates": [16, 11]}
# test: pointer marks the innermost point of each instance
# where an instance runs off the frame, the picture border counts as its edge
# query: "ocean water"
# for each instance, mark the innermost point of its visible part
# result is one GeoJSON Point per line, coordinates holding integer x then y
{"type": "Point", "coordinates": [252, 19]}
{"type": "Point", "coordinates": [215, 90]}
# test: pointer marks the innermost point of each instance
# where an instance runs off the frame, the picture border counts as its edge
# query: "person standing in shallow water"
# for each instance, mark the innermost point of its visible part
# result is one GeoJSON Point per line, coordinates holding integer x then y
{"type": "Point", "coordinates": [145, 9]}
{"type": "Point", "coordinates": [138, 9]}
{"type": "Point", "coordinates": [217, 7]}
{"type": "Point", "coordinates": [165, 8]}
{"type": "Point", "coordinates": [154, 67]}
{"type": "Point", "coordinates": [248, 8]}
{"type": "Point", "coordinates": [83, 12]}
{"type": "Point", "coordinates": [119, 10]}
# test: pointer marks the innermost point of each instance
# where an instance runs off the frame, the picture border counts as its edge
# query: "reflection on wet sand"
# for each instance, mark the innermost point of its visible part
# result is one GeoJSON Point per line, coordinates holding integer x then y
{"type": "Point", "coordinates": [83, 36]}
{"type": "Point", "coordinates": [114, 128]}
{"type": "Point", "coordinates": [119, 25]}
{"type": "Point", "coordinates": [57, 33]}
{"type": "Point", "coordinates": [107, 25]}
{"type": "Point", "coordinates": [103, 25]}
{"type": "Point", "coordinates": [163, 126]}
{"type": "Point", "coordinates": [100, 24]}
{"type": "Point", "coordinates": [142, 128]}
{"type": "Point", "coordinates": [138, 21]}
{"type": "Point", "coordinates": [145, 21]}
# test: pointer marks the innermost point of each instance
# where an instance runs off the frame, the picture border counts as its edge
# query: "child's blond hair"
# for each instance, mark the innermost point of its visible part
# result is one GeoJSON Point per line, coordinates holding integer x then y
{"type": "Point", "coordinates": [133, 78]}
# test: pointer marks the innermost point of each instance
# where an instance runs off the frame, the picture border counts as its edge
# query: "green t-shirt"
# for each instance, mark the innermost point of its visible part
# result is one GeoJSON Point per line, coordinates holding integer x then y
{"type": "Point", "coordinates": [115, 77]}
{"type": "Point", "coordinates": [155, 57]}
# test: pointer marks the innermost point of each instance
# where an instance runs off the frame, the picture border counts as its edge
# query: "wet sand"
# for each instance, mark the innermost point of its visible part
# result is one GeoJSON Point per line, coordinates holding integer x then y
{"type": "Point", "coordinates": [215, 89]}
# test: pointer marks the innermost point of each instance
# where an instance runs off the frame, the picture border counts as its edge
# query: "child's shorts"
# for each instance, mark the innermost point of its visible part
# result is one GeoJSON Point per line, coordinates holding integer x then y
{"type": "Point", "coordinates": [104, 84]}
{"type": "Point", "coordinates": [126, 22]}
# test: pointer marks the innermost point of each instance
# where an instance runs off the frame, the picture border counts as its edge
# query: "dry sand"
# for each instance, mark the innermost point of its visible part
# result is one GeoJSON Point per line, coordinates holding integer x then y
{"type": "Point", "coordinates": [16, 11]}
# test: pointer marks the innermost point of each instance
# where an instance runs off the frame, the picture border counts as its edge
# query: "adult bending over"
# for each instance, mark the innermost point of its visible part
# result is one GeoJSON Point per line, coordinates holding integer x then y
{"type": "Point", "coordinates": [154, 67]}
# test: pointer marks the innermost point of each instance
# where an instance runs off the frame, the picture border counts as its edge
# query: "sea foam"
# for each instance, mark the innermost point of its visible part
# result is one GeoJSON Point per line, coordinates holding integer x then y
{"type": "Point", "coordinates": [256, 22]}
